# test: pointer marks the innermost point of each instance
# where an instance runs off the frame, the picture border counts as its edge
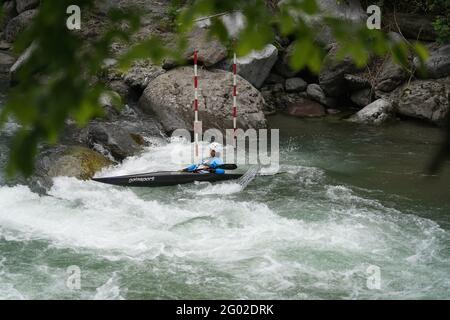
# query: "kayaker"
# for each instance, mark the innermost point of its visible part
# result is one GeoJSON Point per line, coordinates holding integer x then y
{"type": "Point", "coordinates": [209, 164]}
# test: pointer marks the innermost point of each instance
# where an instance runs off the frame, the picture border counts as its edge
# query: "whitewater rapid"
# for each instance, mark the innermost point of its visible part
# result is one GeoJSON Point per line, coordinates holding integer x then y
{"type": "Point", "coordinates": [292, 235]}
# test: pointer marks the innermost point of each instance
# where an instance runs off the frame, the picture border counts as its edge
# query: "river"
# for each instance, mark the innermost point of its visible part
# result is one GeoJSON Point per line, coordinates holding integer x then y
{"type": "Point", "coordinates": [349, 200]}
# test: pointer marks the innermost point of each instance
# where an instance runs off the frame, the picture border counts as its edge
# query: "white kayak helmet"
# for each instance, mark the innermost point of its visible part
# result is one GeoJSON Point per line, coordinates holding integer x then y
{"type": "Point", "coordinates": [217, 147]}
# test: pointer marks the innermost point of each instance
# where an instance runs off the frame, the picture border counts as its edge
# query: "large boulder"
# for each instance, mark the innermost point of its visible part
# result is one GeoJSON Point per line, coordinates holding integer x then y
{"type": "Point", "coordinates": [170, 97]}
{"type": "Point", "coordinates": [23, 5]}
{"type": "Point", "coordinates": [305, 108]}
{"type": "Point", "coordinates": [438, 64]}
{"type": "Point", "coordinates": [210, 50]}
{"type": "Point", "coordinates": [332, 76]}
{"type": "Point", "coordinates": [18, 24]}
{"type": "Point", "coordinates": [71, 161]}
{"type": "Point", "coordinates": [140, 74]}
{"type": "Point", "coordinates": [122, 135]}
{"type": "Point", "coordinates": [256, 66]}
{"type": "Point", "coordinates": [115, 139]}
{"type": "Point", "coordinates": [416, 26]}
{"type": "Point", "coordinates": [6, 61]}
{"type": "Point", "coordinates": [423, 99]}
{"type": "Point", "coordinates": [391, 76]}
{"type": "Point", "coordinates": [377, 112]}
{"type": "Point", "coordinates": [131, 83]}
{"type": "Point", "coordinates": [8, 12]}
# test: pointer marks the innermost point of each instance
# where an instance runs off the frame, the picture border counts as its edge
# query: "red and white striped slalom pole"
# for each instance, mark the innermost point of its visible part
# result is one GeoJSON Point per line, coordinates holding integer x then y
{"type": "Point", "coordinates": [234, 99]}
{"type": "Point", "coordinates": [197, 123]}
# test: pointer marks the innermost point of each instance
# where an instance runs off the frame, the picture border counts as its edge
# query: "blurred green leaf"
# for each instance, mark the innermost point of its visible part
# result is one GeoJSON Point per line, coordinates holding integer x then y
{"type": "Point", "coordinates": [421, 52]}
{"type": "Point", "coordinates": [151, 48]}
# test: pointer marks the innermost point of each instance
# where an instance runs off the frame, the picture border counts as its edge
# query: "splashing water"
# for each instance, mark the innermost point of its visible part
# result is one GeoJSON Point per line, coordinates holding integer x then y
{"type": "Point", "coordinates": [311, 232]}
{"type": "Point", "coordinates": [248, 176]}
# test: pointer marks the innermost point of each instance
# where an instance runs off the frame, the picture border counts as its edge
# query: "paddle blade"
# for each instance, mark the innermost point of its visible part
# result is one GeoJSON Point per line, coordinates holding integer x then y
{"type": "Point", "coordinates": [227, 167]}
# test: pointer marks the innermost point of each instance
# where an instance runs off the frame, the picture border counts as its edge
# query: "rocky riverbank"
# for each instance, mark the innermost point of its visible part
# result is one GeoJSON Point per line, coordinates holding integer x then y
{"type": "Point", "coordinates": [157, 98]}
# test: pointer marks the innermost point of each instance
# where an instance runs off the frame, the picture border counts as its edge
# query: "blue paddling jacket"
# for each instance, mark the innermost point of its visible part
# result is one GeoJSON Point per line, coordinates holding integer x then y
{"type": "Point", "coordinates": [212, 163]}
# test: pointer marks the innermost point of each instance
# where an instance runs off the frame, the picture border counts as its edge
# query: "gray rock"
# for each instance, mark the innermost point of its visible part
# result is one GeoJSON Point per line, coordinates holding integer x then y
{"type": "Point", "coordinates": [210, 50]}
{"type": "Point", "coordinates": [332, 76]}
{"type": "Point", "coordinates": [5, 45]}
{"type": "Point", "coordinates": [395, 37]}
{"type": "Point", "coordinates": [71, 161]}
{"type": "Point", "coordinates": [111, 102]}
{"type": "Point", "coordinates": [438, 64]}
{"type": "Point", "coordinates": [315, 92]}
{"type": "Point", "coordinates": [333, 111]}
{"type": "Point", "coordinates": [122, 133]}
{"type": "Point", "coordinates": [278, 88]}
{"type": "Point", "coordinates": [305, 108]}
{"type": "Point", "coordinates": [274, 78]}
{"type": "Point", "coordinates": [295, 85]}
{"type": "Point", "coordinates": [140, 75]}
{"type": "Point", "coordinates": [423, 99]}
{"type": "Point", "coordinates": [416, 26]}
{"type": "Point", "coordinates": [362, 97]}
{"type": "Point", "coordinates": [121, 88]}
{"type": "Point", "coordinates": [378, 112]}
{"type": "Point", "coordinates": [6, 61]}
{"type": "Point", "coordinates": [117, 140]}
{"type": "Point", "coordinates": [357, 82]}
{"type": "Point", "coordinates": [256, 66]}
{"type": "Point", "coordinates": [269, 98]}
{"type": "Point", "coordinates": [23, 5]}
{"type": "Point", "coordinates": [170, 97]}
{"type": "Point", "coordinates": [391, 76]}
{"type": "Point", "coordinates": [18, 24]}
{"type": "Point", "coordinates": [8, 12]}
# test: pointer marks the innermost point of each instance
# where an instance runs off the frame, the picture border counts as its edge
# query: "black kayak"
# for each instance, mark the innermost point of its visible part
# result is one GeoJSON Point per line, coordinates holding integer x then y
{"type": "Point", "coordinates": [165, 178]}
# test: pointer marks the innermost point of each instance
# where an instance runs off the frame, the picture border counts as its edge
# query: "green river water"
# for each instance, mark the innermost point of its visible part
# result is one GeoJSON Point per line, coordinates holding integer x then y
{"type": "Point", "coordinates": [350, 198]}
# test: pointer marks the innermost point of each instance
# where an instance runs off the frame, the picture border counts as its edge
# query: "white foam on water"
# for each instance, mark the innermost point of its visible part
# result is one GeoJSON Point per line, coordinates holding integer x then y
{"type": "Point", "coordinates": [110, 290]}
{"type": "Point", "coordinates": [89, 215]}
{"type": "Point", "coordinates": [268, 255]}
{"type": "Point", "coordinates": [8, 292]}
{"type": "Point", "coordinates": [207, 188]}
{"type": "Point", "coordinates": [7, 289]}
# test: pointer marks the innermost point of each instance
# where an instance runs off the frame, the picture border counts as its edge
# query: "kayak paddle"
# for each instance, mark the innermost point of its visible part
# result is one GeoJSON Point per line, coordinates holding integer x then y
{"type": "Point", "coordinates": [227, 167]}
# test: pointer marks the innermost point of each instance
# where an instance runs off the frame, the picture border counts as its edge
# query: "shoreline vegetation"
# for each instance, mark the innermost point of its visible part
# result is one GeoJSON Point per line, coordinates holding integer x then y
{"type": "Point", "coordinates": [149, 97]}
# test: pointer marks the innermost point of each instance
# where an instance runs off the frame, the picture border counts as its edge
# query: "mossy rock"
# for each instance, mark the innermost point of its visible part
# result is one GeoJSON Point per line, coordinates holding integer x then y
{"type": "Point", "coordinates": [79, 162]}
